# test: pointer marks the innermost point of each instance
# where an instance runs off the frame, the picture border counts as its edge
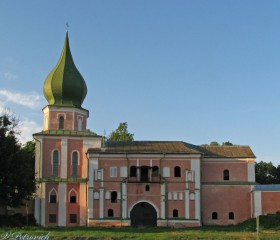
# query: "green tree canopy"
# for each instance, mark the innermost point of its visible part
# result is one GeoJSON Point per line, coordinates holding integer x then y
{"type": "Point", "coordinates": [266, 173]}
{"type": "Point", "coordinates": [17, 180]}
{"type": "Point", "coordinates": [214, 143]}
{"type": "Point", "coordinates": [228, 143]}
{"type": "Point", "coordinates": [121, 134]}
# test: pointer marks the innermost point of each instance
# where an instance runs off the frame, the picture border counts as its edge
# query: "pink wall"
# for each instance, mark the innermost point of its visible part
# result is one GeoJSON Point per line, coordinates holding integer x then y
{"type": "Point", "coordinates": [225, 199]}
{"type": "Point", "coordinates": [270, 202]}
{"type": "Point", "coordinates": [213, 171]}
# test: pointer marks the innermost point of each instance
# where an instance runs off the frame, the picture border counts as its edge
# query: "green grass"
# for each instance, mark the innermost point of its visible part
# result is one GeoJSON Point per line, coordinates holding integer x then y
{"type": "Point", "coordinates": [245, 230]}
{"type": "Point", "coordinates": [124, 233]}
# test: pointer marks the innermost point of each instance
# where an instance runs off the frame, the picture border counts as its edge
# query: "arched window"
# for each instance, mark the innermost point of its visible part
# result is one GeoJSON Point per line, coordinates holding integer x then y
{"type": "Point", "coordinates": [73, 196]}
{"type": "Point", "coordinates": [177, 172]}
{"type": "Point", "coordinates": [175, 213]}
{"type": "Point", "coordinates": [114, 197]}
{"type": "Point", "coordinates": [110, 213]}
{"type": "Point", "coordinates": [231, 216]}
{"type": "Point", "coordinates": [214, 215]}
{"type": "Point", "coordinates": [155, 171]}
{"type": "Point", "coordinates": [75, 171]}
{"type": "Point", "coordinates": [132, 172]}
{"type": "Point", "coordinates": [52, 196]}
{"type": "Point", "coordinates": [80, 124]}
{"type": "Point", "coordinates": [226, 174]}
{"type": "Point", "coordinates": [55, 162]}
{"type": "Point", "coordinates": [61, 122]}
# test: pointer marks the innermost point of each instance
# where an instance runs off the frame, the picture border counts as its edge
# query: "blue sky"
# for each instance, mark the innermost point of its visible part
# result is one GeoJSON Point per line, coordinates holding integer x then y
{"type": "Point", "coordinates": [195, 71]}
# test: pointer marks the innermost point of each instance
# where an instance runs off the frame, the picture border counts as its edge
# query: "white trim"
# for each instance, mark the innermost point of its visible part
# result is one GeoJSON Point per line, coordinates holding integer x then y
{"type": "Point", "coordinates": [195, 167]}
{"type": "Point", "coordinates": [124, 200]}
{"type": "Point", "coordinates": [90, 203]}
{"type": "Point", "coordinates": [197, 204]}
{"type": "Point", "coordinates": [43, 204]}
{"type": "Point", "coordinates": [101, 203]}
{"type": "Point", "coordinates": [53, 189]}
{"type": "Point", "coordinates": [162, 203]}
{"type": "Point", "coordinates": [76, 194]}
{"type": "Point", "coordinates": [113, 171]}
{"type": "Point", "coordinates": [62, 204]}
{"type": "Point", "coordinates": [83, 204]}
{"type": "Point", "coordinates": [187, 203]}
{"type": "Point", "coordinates": [63, 157]}
{"type": "Point", "coordinates": [251, 172]}
{"type": "Point", "coordinates": [132, 206]}
{"type": "Point", "coordinates": [61, 115]}
{"type": "Point", "coordinates": [257, 203]}
{"type": "Point", "coordinates": [58, 156]}
{"type": "Point", "coordinates": [78, 163]}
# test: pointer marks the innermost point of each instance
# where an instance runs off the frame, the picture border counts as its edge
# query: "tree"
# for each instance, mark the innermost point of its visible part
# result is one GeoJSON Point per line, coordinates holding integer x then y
{"type": "Point", "coordinates": [266, 173]}
{"type": "Point", "coordinates": [121, 134]}
{"type": "Point", "coordinates": [17, 181]}
{"type": "Point", "coordinates": [228, 143]}
{"type": "Point", "coordinates": [214, 143]}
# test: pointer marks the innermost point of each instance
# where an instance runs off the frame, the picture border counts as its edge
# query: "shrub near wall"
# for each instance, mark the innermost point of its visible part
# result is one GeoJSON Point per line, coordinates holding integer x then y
{"type": "Point", "coordinates": [16, 220]}
{"type": "Point", "coordinates": [269, 221]}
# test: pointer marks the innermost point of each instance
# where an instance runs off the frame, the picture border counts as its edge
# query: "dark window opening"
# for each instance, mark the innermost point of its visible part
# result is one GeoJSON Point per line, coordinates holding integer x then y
{"type": "Point", "coordinates": [144, 174]}
{"type": "Point", "coordinates": [114, 197]}
{"type": "Point", "coordinates": [226, 175]}
{"type": "Point", "coordinates": [175, 213]}
{"type": "Point", "coordinates": [61, 122]}
{"type": "Point", "coordinates": [53, 198]}
{"type": "Point", "coordinates": [177, 172]}
{"type": "Point", "coordinates": [214, 215]}
{"type": "Point", "coordinates": [110, 213]}
{"type": "Point", "coordinates": [52, 218]}
{"type": "Point", "coordinates": [55, 163]}
{"type": "Point", "coordinates": [147, 188]}
{"type": "Point", "coordinates": [133, 171]}
{"type": "Point", "coordinates": [75, 164]}
{"type": "Point", "coordinates": [231, 216]}
{"type": "Point", "coordinates": [73, 218]}
{"type": "Point", "coordinates": [155, 171]}
{"type": "Point", "coordinates": [73, 199]}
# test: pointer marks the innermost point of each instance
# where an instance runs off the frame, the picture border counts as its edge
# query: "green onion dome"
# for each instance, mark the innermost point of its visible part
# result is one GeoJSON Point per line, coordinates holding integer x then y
{"type": "Point", "coordinates": [65, 86]}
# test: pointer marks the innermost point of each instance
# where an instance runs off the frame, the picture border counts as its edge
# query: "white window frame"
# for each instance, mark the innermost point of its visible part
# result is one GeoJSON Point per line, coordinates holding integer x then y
{"type": "Point", "coordinates": [113, 171]}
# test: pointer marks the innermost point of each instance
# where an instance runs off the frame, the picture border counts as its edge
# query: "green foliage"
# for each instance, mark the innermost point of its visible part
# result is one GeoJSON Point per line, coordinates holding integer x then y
{"type": "Point", "coordinates": [214, 143]}
{"type": "Point", "coordinates": [266, 173]}
{"type": "Point", "coordinates": [17, 165]}
{"type": "Point", "coordinates": [121, 134]}
{"type": "Point", "coordinates": [227, 143]}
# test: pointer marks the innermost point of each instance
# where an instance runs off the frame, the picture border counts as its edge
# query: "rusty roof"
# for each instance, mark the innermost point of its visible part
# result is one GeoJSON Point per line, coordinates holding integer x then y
{"type": "Point", "coordinates": [226, 151]}
{"type": "Point", "coordinates": [147, 147]}
{"type": "Point", "coordinates": [175, 147]}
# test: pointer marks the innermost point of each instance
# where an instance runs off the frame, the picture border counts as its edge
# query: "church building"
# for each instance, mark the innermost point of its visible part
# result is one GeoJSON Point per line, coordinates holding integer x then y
{"type": "Point", "coordinates": [84, 181]}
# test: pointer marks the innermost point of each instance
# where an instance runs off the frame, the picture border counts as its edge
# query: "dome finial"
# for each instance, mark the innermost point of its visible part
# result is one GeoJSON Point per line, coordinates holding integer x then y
{"type": "Point", "coordinates": [67, 26]}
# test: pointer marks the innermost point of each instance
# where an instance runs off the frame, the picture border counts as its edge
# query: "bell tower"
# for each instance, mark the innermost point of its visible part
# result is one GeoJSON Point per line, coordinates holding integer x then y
{"type": "Point", "coordinates": [61, 164]}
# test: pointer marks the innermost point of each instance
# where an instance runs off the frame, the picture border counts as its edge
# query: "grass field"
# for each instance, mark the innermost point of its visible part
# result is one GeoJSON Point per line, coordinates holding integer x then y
{"type": "Point", "coordinates": [136, 233]}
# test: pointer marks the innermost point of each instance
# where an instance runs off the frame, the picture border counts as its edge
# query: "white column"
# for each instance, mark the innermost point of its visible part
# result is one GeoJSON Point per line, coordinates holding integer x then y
{"type": "Point", "coordinates": [187, 203]}
{"type": "Point", "coordinates": [187, 181]}
{"type": "Point", "coordinates": [90, 203]}
{"type": "Point", "coordinates": [37, 210]}
{"type": "Point", "coordinates": [257, 203]}
{"type": "Point", "coordinates": [63, 158]}
{"type": "Point", "coordinates": [101, 202]}
{"type": "Point", "coordinates": [163, 198]}
{"type": "Point", "coordinates": [124, 201]}
{"type": "Point", "coordinates": [195, 166]}
{"type": "Point", "coordinates": [83, 204]}
{"type": "Point", "coordinates": [62, 204]}
{"type": "Point", "coordinates": [197, 204]}
{"type": "Point", "coordinates": [251, 172]}
{"type": "Point", "coordinates": [43, 204]}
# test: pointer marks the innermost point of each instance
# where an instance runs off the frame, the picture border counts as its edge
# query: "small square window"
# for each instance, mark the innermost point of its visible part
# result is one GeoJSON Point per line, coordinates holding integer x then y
{"type": "Point", "coordinates": [73, 199]}
{"type": "Point", "coordinates": [73, 218]}
{"type": "Point", "coordinates": [113, 171]}
{"type": "Point", "coordinates": [147, 188]}
{"type": "Point", "coordinates": [53, 199]}
{"type": "Point", "coordinates": [52, 218]}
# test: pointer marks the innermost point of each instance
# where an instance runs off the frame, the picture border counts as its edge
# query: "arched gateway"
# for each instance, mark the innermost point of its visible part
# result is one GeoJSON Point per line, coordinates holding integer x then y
{"type": "Point", "coordinates": [143, 214]}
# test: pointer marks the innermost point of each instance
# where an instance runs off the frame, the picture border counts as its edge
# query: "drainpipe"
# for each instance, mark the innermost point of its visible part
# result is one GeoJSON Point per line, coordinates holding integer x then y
{"type": "Point", "coordinates": [87, 188]}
